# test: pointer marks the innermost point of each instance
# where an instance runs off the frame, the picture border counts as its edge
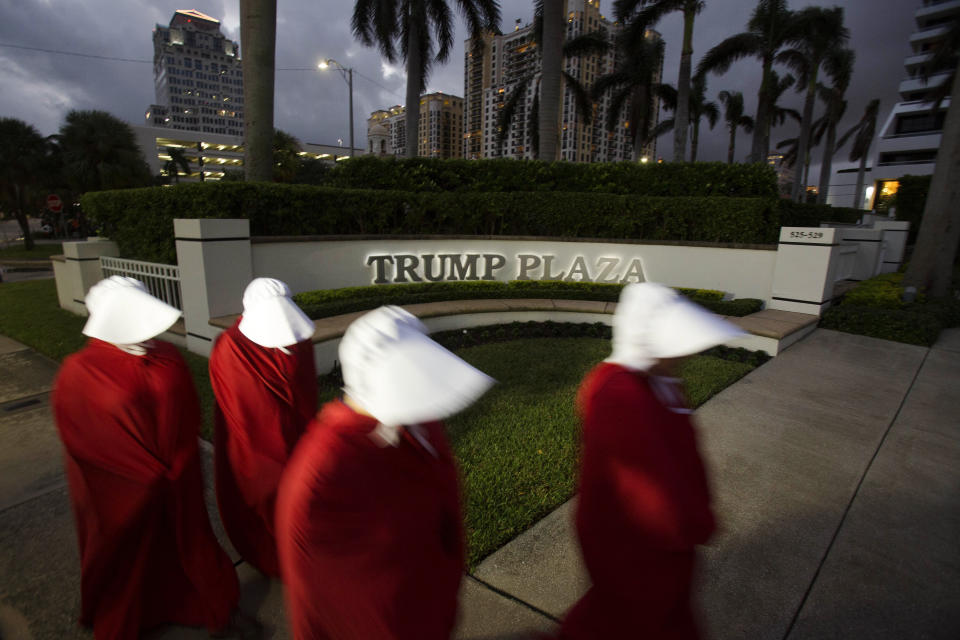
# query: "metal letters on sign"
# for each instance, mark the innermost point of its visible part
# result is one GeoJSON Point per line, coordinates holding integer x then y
{"type": "Point", "coordinates": [407, 267]}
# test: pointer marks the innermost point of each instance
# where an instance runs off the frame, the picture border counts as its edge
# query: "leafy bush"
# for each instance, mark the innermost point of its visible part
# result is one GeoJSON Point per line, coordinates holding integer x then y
{"type": "Point", "coordinates": [901, 325]}
{"type": "Point", "coordinates": [874, 308]}
{"type": "Point", "coordinates": [880, 292]}
{"type": "Point", "coordinates": [910, 199]}
{"type": "Point", "coordinates": [504, 175]}
{"type": "Point", "coordinates": [141, 220]}
{"type": "Point", "coordinates": [461, 338]}
{"type": "Point", "coordinates": [324, 303]}
{"type": "Point", "coordinates": [806, 214]}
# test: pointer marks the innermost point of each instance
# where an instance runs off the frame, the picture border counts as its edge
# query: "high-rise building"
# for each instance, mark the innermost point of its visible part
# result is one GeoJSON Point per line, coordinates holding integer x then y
{"type": "Point", "coordinates": [440, 128]}
{"type": "Point", "coordinates": [910, 137]}
{"type": "Point", "coordinates": [197, 77]}
{"type": "Point", "coordinates": [511, 62]}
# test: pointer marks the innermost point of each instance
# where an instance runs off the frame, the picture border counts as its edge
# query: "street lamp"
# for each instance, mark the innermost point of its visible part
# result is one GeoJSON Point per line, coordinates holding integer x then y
{"type": "Point", "coordinates": [347, 74]}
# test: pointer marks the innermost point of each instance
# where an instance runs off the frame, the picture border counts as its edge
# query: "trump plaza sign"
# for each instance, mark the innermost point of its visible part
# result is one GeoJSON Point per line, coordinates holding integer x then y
{"type": "Point", "coordinates": [391, 268]}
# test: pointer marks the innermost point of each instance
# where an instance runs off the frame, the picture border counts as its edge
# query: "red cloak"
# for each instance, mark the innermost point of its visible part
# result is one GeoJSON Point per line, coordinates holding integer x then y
{"type": "Point", "coordinates": [370, 537]}
{"type": "Point", "coordinates": [643, 505]}
{"type": "Point", "coordinates": [129, 426]}
{"type": "Point", "coordinates": [265, 398]}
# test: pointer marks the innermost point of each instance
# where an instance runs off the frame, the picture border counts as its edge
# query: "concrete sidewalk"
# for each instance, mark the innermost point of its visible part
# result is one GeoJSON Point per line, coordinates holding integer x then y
{"type": "Point", "coordinates": [836, 471]}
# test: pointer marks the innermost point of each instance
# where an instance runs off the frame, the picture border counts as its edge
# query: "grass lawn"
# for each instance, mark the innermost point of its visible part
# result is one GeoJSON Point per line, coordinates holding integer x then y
{"type": "Point", "coordinates": [31, 315]}
{"type": "Point", "coordinates": [517, 447]}
{"type": "Point", "coordinates": [39, 251]}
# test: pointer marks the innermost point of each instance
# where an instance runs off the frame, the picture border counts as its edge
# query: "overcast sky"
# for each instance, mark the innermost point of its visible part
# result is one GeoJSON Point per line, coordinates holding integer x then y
{"type": "Point", "coordinates": [41, 87]}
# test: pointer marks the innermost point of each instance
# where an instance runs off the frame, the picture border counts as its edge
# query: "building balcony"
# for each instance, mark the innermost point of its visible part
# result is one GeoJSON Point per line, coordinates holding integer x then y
{"type": "Point", "coordinates": [934, 10]}
{"type": "Point", "coordinates": [915, 85]}
{"type": "Point", "coordinates": [928, 35]}
{"type": "Point", "coordinates": [912, 62]}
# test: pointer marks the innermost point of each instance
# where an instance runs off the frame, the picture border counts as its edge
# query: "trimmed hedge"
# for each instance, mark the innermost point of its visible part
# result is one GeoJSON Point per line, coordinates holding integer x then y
{"type": "Point", "coordinates": [141, 220]}
{"type": "Point", "coordinates": [912, 326]}
{"type": "Point", "coordinates": [701, 179]}
{"type": "Point", "coordinates": [808, 214]}
{"type": "Point", "coordinates": [332, 382]}
{"type": "Point", "coordinates": [874, 308]}
{"type": "Point", "coordinates": [324, 303]}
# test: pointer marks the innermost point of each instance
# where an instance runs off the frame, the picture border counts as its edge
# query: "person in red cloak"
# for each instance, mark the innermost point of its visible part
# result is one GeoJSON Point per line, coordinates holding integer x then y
{"type": "Point", "coordinates": [644, 501]}
{"type": "Point", "coordinates": [265, 383]}
{"type": "Point", "coordinates": [129, 418]}
{"type": "Point", "coordinates": [369, 529]}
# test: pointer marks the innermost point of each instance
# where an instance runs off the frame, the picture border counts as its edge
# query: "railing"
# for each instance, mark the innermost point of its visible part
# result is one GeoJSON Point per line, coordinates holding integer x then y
{"type": "Point", "coordinates": [161, 280]}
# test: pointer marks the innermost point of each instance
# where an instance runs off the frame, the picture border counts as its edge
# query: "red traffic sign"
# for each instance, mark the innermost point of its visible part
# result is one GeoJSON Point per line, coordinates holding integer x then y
{"type": "Point", "coordinates": [54, 203]}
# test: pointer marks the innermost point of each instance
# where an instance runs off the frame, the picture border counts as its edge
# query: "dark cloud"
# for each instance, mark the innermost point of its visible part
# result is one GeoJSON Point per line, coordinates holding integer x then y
{"type": "Point", "coordinates": [312, 105]}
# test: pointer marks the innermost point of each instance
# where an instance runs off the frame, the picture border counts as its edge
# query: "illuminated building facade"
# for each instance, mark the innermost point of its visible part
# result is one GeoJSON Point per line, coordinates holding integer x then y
{"type": "Point", "coordinates": [197, 75]}
{"type": "Point", "coordinates": [209, 155]}
{"type": "Point", "coordinates": [910, 137]}
{"type": "Point", "coordinates": [440, 128]}
{"type": "Point", "coordinates": [493, 72]}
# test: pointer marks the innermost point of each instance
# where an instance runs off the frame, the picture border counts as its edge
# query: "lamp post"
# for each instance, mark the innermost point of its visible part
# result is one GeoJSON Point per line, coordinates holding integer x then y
{"type": "Point", "coordinates": [347, 73]}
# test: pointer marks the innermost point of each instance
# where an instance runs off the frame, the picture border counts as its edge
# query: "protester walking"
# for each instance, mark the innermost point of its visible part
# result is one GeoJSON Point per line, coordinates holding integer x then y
{"type": "Point", "coordinates": [129, 418]}
{"type": "Point", "coordinates": [644, 500]}
{"type": "Point", "coordinates": [369, 526]}
{"type": "Point", "coordinates": [265, 383]}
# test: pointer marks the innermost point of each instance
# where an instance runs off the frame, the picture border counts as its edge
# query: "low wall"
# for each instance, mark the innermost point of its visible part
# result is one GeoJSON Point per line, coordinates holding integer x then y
{"type": "Point", "coordinates": [326, 263]}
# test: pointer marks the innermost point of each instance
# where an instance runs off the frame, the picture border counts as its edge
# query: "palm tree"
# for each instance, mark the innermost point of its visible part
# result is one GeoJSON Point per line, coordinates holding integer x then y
{"type": "Point", "coordinates": [99, 152]}
{"type": "Point", "coordinates": [700, 107]}
{"type": "Point", "coordinates": [646, 13]}
{"type": "Point", "coordinates": [862, 133]}
{"type": "Point", "coordinates": [175, 164]}
{"type": "Point", "coordinates": [22, 151]}
{"type": "Point", "coordinates": [777, 115]}
{"type": "Point", "coordinates": [551, 64]}
{"type": "Point", "coordinates": [258, 32]}
{"type": "Point", "coordinates": [414, 24]}
{"type": "Point", "coordinates": [823, 34]}
{"type": "Point", "coordinates": [836, 105]}
{"type": "Point", "coordinates": [771, 28]}
{"type": "Point", "coordinates": [735, 118]}
{"type": "Point", "coordinates": [539, 111]}
{"type": "Point", "coordinates": [286, 156]}
{"type": "Point", "coordinates": [632, 86]}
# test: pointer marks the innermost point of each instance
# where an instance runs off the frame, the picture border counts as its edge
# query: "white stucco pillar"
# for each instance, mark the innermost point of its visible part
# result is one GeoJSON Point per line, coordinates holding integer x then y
{"type": "Point", "coordinates": [79, 269]}
{"type": "Point", "coordinates": [895, 236]}
{"type": "Point", "coordinates": [809, 262]}
{"type": "Point", "coordinates": [215, 268]}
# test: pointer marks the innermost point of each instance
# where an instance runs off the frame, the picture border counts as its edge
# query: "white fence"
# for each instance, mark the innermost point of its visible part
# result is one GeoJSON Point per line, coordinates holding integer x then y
{"type": "Point", "coordinates": [161, 280]}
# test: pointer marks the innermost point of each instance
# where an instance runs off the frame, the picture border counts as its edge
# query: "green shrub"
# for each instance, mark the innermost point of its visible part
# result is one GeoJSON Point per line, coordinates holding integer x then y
{"type": "Point", "coordinates": [619, 178]}
{"type": "Point", "coordinates": [805, 214]}
{"type": "Point", "coordinates": [141, 220]}
{"type": "Point", "coordinates": [324, 303]}
{"type": "Point", "coordinates": [912, 326]}
{"type": "Point", "coordinates": [910, 199]}
{"type": "Point", "coordinates": [880, 292]}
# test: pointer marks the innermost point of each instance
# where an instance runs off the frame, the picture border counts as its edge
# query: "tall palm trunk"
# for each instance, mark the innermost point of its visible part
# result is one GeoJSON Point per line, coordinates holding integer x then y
{"type": "Point", "coordinates": [258, 33]}
{"type": "Point", "coordinates": [826, 165]}
{"type": "Point", "coordinates": [694, 140]}
{"type": "Point", "coordinates": [861, 172]}
{"type": "Point", "coordinates": [933, 256]}
{"type": "Point", "coordinates": [682, 115]}
{"type": "Point", "coordinates": [803, 143]}
{"type": "Point", "coordinates": [414, 81]}
{"type": "Point", "coordinates": [761, 133]}
{"type": "Point", "coordinates": [642, 96]}
{"type": "Point", "coordinates": [733, 143]}
{"type": "Point", "coordinates": [550, 85]}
